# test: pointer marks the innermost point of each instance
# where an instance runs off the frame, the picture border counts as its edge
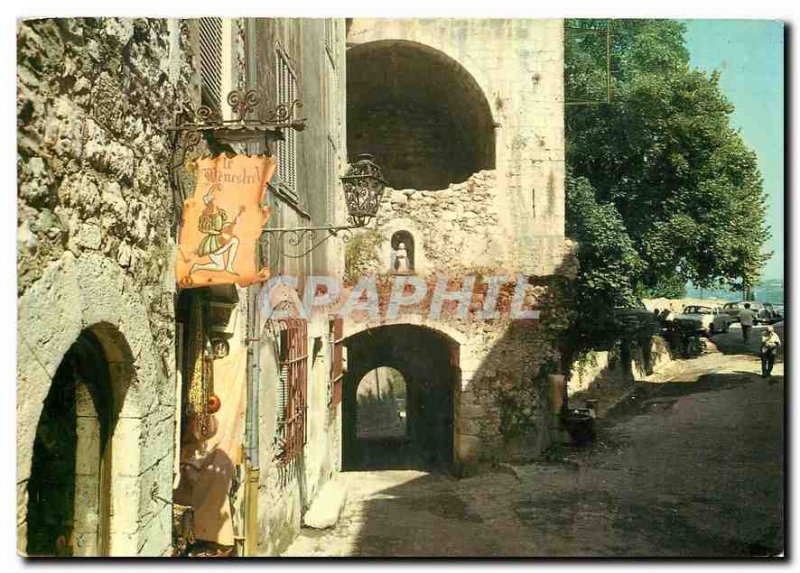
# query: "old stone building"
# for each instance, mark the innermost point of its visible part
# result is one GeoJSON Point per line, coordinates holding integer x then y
{"type": "Point", "coordinates": [95, 351]}
{"type": "Point", "coordinates": [141, 404]}
{"type": "Point", "coordinates": [107, 345]}
{"type": "Point", "coordinates": [466, 117]}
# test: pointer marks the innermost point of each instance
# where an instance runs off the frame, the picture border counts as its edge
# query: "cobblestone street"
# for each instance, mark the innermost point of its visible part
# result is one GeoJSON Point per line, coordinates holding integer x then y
{"type": "Point", "coordinates": [690, 464]}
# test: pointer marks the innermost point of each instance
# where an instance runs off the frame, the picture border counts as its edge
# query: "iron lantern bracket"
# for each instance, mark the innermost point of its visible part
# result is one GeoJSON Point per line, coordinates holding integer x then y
{"type": "Point", "coordinates": [286, 241]}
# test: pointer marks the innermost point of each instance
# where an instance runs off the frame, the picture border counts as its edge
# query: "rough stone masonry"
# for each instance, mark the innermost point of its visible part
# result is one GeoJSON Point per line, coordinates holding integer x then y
{"type": "Point", "coordinates": [94, 241]}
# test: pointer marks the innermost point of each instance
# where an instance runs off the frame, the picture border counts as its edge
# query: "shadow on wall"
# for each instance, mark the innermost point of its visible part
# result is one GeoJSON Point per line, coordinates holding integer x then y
{"type": "Point", "coordinates": [605, 376]}
{"type": "Point", "coordinates": [420, 112]}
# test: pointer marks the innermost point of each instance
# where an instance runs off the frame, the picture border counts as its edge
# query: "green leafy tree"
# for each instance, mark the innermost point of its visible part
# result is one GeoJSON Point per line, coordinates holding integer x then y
{"type": "Point", "coordinates": [608, 263]}
{"type": "Point", "coordinates": [664, 154]}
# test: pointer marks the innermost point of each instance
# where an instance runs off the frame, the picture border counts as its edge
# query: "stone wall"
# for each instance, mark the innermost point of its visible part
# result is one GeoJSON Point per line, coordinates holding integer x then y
{"type": "Point", "coordinates": [505, 218]}
{"type": "Point", "coordinates": [602, 375]}
{"type": "Point", "coordinates": [413, 145]}
{"type": "Point", "coordinates": [94, 243]}
{"type": "Point", "coordinates": [459, 229]}
{"type": "Point", "coordinates": [502, 402]}
{"type": "Point", "coordinates": [518, 66]}
{"type": "Point", "coordinates": [504, 410]}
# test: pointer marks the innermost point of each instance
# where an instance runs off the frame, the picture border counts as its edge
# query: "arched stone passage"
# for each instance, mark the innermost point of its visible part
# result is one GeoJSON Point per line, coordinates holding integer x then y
{"type": "Point", "coordinates": [89, 295]}
{"type": "Point", "coordinates": [67, 492]}
{"type": "Point", "coordinates": [381, 402]}
{"type": "Point", "coordinates": [428, 363]}
{"type": "Point", "coordinates": [419, 112]}
{"type": "Point", "coordinates": [69, 489]}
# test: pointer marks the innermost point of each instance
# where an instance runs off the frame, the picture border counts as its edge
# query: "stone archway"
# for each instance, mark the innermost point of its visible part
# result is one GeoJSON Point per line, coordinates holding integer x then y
{"type": "Point", "coordinates": [69, 488]}
{"type": "Point", "coordinates": [420, 112]}
{"type": "Point", "coordinates": [428, 361]}
{"type": "Point", "coordinates": [90, 296]}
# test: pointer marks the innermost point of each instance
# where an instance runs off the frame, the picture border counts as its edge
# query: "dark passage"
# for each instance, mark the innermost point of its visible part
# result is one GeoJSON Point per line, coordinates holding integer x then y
{"type": "Point", "coordinates": [52, 485]}
{"type": "Point", "coordinates": [421, 114]}
{"type": "Point", "coordinates": [399, 399]}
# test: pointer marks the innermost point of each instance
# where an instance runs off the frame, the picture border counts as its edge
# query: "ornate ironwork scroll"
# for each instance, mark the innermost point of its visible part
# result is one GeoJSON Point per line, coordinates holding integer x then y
{"type": "Point", "coordinates": [294, 243]}
{"type": "Point", "coordinates": [192, 126]}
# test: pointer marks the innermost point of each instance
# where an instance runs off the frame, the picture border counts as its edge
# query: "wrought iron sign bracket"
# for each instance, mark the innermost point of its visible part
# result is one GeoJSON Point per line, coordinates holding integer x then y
{"type": "Point", "coordinates": [191, 127]}
{"type": "Point", "coordinates": [363, 183]}
{"type": "Point", "coordinates": [287, 239]}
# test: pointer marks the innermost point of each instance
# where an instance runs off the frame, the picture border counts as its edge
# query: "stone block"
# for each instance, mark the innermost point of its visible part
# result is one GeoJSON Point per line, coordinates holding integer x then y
{"type": "Point", "coordinates": [156, 537]}
{"type": "Point", "coordinates": [467, 447]}
{"type": "Point", "coordinates": [123, 544]}
{"type": "Point", "coordinates": [126, 445]}
{"type": "Point", "coordinates": [327, 506]}
{"type": "Point", "coordinates": [125, 494]}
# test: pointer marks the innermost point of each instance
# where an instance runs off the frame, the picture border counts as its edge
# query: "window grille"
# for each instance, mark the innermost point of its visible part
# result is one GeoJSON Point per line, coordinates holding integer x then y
{"type": "Point", "coordinates": [287, 149]}
{"type": "Point", "coordinates": [294, 390]}
{"type": "Point", "coordinates": [211, 62]}
{"type": "Point", "coordinates": [336, 341]}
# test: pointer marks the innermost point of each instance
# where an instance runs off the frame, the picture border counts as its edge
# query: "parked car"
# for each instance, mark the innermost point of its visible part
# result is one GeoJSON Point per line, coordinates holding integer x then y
{"type": "Point", "coordinates": [765, 313]}
{"type": "Point", "coordinates": [779, 311]}
{"type": "Point", "coordinates": [705, 319]}
{"type": "Point", "coordinates": [637, 316]}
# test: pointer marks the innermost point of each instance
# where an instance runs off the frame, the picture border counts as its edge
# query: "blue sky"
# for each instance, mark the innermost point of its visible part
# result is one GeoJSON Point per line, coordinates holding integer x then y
{"type": "Point", "coordinates": [749, 54]}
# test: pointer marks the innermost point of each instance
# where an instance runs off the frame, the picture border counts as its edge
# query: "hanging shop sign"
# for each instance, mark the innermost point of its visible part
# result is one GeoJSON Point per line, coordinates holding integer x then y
{"type": "Point", "coordinates": [222, 222]}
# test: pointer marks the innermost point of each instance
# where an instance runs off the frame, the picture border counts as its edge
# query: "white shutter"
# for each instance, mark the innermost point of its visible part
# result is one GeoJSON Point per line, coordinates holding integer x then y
{"type": "Point", "coordinates": [287, 149]}
{"type": "Point", "coordinates": [211, 61]}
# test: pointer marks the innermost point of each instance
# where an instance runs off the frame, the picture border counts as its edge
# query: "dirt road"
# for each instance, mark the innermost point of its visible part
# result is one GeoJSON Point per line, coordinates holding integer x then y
{"type": "Point", "coordinates": [690, 465]}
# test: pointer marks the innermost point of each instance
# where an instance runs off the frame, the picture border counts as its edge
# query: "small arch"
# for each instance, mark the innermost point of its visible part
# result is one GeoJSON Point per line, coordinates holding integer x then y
{"type": "Point", "coordinates": [402, 260]}
{"type": "Point", "coordinates": [381, 405]}
{"type": "Point", "coordinates": [76, 298]}
{"type": "Point", "coordinates": [420, 112]}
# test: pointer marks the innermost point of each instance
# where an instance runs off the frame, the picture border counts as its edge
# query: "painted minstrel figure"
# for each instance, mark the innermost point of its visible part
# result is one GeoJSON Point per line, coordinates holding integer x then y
{"type": "Point", "coordinates": [219, 238]}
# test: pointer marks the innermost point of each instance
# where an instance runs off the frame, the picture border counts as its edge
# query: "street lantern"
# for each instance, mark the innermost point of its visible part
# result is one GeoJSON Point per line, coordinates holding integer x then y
{"type": "Point", "coordinates": [363, 188]}
{"type": "Point", "coordinates": [363, 185]}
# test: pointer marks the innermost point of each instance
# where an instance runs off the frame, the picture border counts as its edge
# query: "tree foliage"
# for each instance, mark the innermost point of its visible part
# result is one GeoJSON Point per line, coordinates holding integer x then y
{"type": "Point", "coordinates": [664, 154]}
{"type": "Point", "coordinates": [608, 264]}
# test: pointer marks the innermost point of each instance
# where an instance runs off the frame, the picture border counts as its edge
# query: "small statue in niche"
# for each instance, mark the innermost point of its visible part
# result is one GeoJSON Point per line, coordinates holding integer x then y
{"type": "Point", "coordinates": [401, 260]}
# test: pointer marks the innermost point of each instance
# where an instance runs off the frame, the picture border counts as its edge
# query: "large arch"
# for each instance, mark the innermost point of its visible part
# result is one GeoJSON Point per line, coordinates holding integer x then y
{"type": "Point", "coordinates": [420, 112]}
{"type": "Point", "coordinates": [428, 362]}
{"type": "Point", "coordinates": [91, 296]}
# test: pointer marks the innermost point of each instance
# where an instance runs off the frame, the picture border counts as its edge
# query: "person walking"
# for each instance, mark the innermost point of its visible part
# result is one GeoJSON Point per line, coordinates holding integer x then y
{"type": "Point", "coordinates": [770, 342]}
{"type": "Point", "coordinates": [746, 318]}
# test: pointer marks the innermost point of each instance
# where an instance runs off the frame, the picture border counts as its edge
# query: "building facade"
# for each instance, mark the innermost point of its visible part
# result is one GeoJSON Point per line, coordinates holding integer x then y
{"type": "Point", "coordinates": [147, 412]}
{"type": "Point", "coordinates": [466, 118]}
{"type": "Point", "coordinates": [110, 351]}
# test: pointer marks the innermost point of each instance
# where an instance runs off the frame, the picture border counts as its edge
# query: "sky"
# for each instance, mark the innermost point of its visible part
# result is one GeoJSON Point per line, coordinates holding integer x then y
{"type": "Point", "coordinates": [749, 55]}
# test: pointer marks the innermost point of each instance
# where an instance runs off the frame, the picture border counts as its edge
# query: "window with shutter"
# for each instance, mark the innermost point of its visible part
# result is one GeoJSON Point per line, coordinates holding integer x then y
{"type": "Point", "coordinates": [211, 62]}
{"type": "Point", "coordinates": [287, 149]}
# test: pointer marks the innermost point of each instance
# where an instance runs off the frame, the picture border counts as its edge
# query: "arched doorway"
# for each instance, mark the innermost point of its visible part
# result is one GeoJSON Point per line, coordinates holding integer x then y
{"type": "Point", "coordinates": [68, 510]}
{"type": "Point", "coordinates": [381, 404]}
{"type": "Point", "coordinates": [399, 399]}
{"type": "Point", "coordinates": [422, 115]}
